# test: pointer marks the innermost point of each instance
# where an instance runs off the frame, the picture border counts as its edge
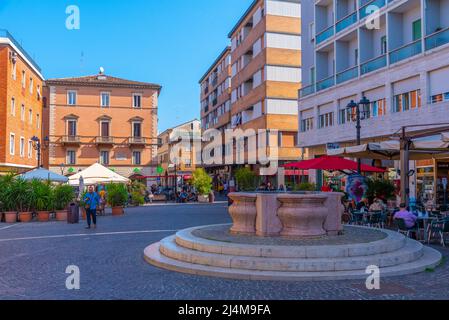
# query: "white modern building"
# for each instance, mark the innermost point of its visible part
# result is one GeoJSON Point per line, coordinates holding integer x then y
{"type": "Point", "coordinates": [394, 52]}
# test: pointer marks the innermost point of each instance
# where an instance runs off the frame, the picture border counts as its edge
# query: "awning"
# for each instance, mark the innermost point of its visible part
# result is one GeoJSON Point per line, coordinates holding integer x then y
{"type": "Point", "coordinates": [97, 174]}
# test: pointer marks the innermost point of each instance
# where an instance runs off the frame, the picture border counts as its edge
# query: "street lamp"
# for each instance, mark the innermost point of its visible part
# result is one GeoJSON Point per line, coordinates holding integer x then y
{"type": "Point", "coordinates": [360, 115]}
{"type": "Point", "coordinates": [38, 147]}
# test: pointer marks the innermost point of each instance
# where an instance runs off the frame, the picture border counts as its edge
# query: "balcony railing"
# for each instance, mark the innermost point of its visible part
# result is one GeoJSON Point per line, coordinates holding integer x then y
{"type": "Point", "coordinates": [365, 11]}
{"type": "Point", "coordinates": [373, 64]}
{"type": "Point", "coordinates": [346, 22]}
{"type": "Point", "coordinates": [325, 83]}
{"type": "Point", "coordinates": [104, 140]}
{"type": "Point", "coordinates": [6, 34]}
{"type": "Point", "coordinates": [324, 35]}
{"type": "Point", "coordinates": [71, 140]}
{"type": "Point", "coordinates": [437, 39]}
{"type": "Point", "coordinates": [307, 91]}
{"type": "Point", "coordinates": [407, 51]}
{"type": "Point", "coordinates": [137, 140]}
{"type": "Point", "coordinates": [348, 74]}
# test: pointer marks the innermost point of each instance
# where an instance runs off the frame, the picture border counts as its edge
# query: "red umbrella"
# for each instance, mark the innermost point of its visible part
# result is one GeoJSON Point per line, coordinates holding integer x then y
{"type": "Point", "coordinates": [329, 163]}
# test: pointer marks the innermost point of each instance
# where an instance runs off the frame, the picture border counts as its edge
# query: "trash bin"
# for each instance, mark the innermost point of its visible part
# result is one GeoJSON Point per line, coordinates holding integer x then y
{"type": "Point", "coordinates": [74, 215]}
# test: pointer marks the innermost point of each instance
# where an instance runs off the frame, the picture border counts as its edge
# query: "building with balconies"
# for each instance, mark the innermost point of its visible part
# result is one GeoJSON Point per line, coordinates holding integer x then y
{"type": "Point", "coordinates": [266, 72]}
{"type": "Point", "coordinates": [393, 52]}
{"type": "Point", "coordinates": [101, 119]}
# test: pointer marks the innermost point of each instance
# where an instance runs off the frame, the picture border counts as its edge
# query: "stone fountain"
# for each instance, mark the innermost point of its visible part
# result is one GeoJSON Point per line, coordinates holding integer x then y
{"type": "Point", "coordinates": [289, 236]}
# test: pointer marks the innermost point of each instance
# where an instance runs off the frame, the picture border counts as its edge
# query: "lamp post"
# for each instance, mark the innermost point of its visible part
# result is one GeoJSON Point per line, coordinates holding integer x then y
{"type": "Point", "coordinates": [38, 147]}
{"type": "Point", "coordinates": [358, 114]}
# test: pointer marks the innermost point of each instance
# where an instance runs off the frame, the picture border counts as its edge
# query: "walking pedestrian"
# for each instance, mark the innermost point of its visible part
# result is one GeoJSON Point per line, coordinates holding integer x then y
{"type": "Point", "coordinates": [92, 200]}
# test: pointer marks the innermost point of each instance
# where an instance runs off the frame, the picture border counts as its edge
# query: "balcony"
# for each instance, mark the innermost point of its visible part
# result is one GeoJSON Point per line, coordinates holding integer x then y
{"type": "Point", "coordinates": [325, 83]}
{"type": "Point", "coordinates": [437, 39]}
{"type": "Point", "coordinates": [346, 22]}
{"type": "Point", "coordinates": [324, 35]}
{"type": "Point", "coordinates": [405, 52]}
{"type": "Point", "coordinates": [137, 141]}
{"type": "Point", "coordinates": [71, 140]}
{"type": "Point", "coordinates": [104, 141]}
{"type": "Point", "coordinates": [364, 12]}
{"type": "Point", "coordinates": [348, 74]}
{"type": "Point", "coordinates": [373, 64]}
{"type": "Point", "coordinates": [307, 91]}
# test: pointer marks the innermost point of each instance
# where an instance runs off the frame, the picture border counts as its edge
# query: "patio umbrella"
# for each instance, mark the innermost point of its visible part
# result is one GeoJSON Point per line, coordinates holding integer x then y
{"type": "Point", "coordinates": [97, 174]}
{"type": "Point", "coordinates": [44, 174]}
{"type": "Point", "coordinates": [330, 163]}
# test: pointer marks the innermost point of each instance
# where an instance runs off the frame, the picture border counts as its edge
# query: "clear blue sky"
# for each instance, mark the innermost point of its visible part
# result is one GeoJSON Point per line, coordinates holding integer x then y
{"type": "Point", "coordinates": [170, 42]}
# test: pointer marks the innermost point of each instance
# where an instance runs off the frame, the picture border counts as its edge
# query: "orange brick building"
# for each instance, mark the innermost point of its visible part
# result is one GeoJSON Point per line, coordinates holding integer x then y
{"type": "Point", "coordinates": [21, 84]}
{"type": "Point", "coordinates": [101, 119]}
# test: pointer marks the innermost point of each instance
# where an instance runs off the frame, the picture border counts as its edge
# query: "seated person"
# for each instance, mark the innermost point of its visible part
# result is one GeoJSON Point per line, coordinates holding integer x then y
{"type": "Point", "coordinates": [362, 205]}
{"type": "Point", "coordinates": [378, 205]}
{"type": "Point", "coordinates": [408, 217]}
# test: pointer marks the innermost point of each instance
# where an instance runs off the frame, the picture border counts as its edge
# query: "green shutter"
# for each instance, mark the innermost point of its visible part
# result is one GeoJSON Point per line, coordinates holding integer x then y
{"type": "Point", "coordinates": [417, 30]}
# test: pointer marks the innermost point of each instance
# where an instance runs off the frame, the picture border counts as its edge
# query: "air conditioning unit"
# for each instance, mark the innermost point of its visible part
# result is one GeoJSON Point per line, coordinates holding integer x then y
{"type": "Point", "coordinates": [13, 56]}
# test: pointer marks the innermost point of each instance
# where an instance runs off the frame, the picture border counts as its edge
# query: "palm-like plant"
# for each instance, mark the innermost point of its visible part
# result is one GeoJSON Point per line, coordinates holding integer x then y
{"type": "Point", "coordinates": [63, 194]}
{"type": "Point", "coordinates": [44, 196]}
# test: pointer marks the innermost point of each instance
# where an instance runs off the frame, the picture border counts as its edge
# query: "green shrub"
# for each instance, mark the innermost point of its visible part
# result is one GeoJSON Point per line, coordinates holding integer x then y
{"type": "Point", "coordinates": [382, 189]}
{"type": "Point", "coordinates": [246, 179]}
{"type": "Point", "coordinates": [137, 198]}
{"type": "Point", "coordinates": [116, 194]}
{"type": "Point", "coordinates": [63, 195]}
{"type": "Point", "coordinates": [202, 182]}
{"type": "Point", "coordinates": [44, 196]}
{"type": "Point", "coordinates": [305, 186]}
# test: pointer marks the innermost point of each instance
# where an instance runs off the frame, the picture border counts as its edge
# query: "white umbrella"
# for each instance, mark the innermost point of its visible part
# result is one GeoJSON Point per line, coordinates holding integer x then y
{"type": "Point", "coordinates": [96, 174]}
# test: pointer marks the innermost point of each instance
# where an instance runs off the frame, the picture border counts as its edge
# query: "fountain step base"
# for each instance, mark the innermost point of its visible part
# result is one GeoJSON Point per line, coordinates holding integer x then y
{"type": "Point", "coordinates": [430, 259]}
{"type": "Point", "coordinates": [189, 252]}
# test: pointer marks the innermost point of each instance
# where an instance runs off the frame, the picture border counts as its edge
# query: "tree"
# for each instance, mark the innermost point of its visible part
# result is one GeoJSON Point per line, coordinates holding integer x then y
{"type": "Point", "coordinates": [245, 179]}
{"type": "Point", "coordinates": [202, 182]}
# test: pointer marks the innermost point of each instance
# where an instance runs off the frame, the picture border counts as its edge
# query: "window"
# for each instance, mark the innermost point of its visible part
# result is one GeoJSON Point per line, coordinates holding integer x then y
{"type": "Point", "coordinates": [137, 129]}
{"type": "Point", "coordinates": [137, 100]}
{"type": "Point", "coordinates": [306, 124]}
{"type": "Point", "coordinates": [383, 45]}
{"type": "Point", "coordinates": [312, 75]}
{"type": "Point", "coordinates": [280, 136]}
{"type": "Point", "coordinates": [30, 149]}
{"type": "Point", "coordinates": [104, 128]}
{"type": "Point", "coordinates": [38, 92]}
{"type": "Point", "coordinates": [30, 116]}
{"type": "Point", "coordinates": [12, 144]}
{"type": "Point", "coordinates": [14, 70]}
{"type": "Point", "coordinates": [13, 106]}
{"type": "Point", "coordinates": [31, 85]}
{"type": "Point", "coordinates": [38, 121]}
{"type": "Point", "coordinates": [71, 128]}
{"type": "Point", "coordinates": [356, 57]}
{"type": "Point", "coordinates": [104, 157]}
{"type": "Point", "coordinates": [71, 157]}
{"type": "Point", "coordinates": [137, 157]}
{"type": "Point", "coordinates": [188, 163]}
{"type": "Point", "coordinates": [105, 98]}
{"type": "Point", "coordinates": [22, 113]}
{"type": "Point", "coordinates": [407, 101]}
{"type": "Point", "coordinates": [24, 80]}
{"type": "Point", "coordinates": [378, 108]}
{"type": "Point", "coordinates": [22, 147]}
{"type": "Point", "coordinates": [417, 30]}
{"type": "Point", "coordinates": [440, 97]}
{"type": "Point", "coordinates": [71, 98]}
{"type": "Point", "coordinates": [326, 120]}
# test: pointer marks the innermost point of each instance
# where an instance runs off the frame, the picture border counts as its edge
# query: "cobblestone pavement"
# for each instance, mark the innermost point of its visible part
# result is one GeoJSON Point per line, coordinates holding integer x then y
{"type": "Point", "coordinates": [34, 257]}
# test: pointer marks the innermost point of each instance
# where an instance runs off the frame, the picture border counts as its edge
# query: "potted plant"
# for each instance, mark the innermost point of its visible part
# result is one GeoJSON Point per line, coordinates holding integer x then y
{"type": "Point", "coordinates": [7, 198]}
{"type": "Point", "coordinates": [63, 195]}
{"type": "Point", "coordinates": [44, 200]}
{"type": "Point", "coordinates": [117, 196]}
{"type": "Point", "coordinates": [24, 198]}
{"type": "Point", "coordinates": [203, 184]}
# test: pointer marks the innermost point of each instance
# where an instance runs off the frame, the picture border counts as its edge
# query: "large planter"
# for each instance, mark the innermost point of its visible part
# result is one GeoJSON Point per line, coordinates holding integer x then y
{"type": "Point", "coordinates": [11, 217]}
{"type": "Point", "coordinates": [25, 217]}
{"type": "Point", "coordinates": [43, 216]}
{"type": "Point", "coordinates": [118, 211]}
{"type": "Point", "coordinates": [303, 216]}
{"type": "Point", "coordinates": [243, 213]}
{"type": "Point", "coordinates": [61, 215]}
{"type": "Point", "coordinates": [203, 199]}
